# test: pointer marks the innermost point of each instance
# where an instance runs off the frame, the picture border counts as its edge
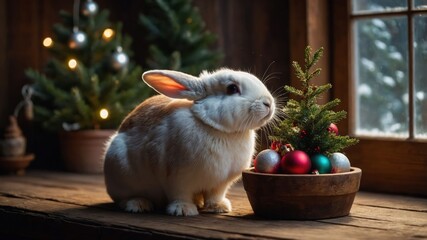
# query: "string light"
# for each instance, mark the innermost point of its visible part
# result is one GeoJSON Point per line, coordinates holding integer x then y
{"type": "Point", "coordinates": [72, 63]}
{"type": "Point", "coordinates": [108, 34]}
{"type": "Point", "coordinates": [103, 113]}
{"type": "Point", "coordinates": [48, 42]}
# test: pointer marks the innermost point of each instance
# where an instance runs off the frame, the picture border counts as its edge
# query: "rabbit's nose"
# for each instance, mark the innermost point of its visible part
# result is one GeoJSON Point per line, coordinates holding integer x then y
{"type": "Point", "coordinates": [267, 104]}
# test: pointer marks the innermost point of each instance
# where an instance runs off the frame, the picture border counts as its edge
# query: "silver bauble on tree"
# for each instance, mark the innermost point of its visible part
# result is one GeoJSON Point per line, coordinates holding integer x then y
{"type": "Point", "coordinates": [119, 60]}
{"type": "Point", "coordinates": [78, 39]}
{"type": "Point", "coordinates": [89, 8]}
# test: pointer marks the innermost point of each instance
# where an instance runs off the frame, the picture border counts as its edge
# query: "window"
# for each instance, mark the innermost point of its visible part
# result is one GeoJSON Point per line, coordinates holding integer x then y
{"type": "Point", "coordinates": [390, 77]}
{"type": "Point", "coordinates": [379, 71]}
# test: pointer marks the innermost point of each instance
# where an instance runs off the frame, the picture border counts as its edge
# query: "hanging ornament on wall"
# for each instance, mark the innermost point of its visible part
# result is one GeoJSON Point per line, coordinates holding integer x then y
{"type": "Point", "coordinates": [78, 39]}
{"type": "Point", "coordinates": [119, 60]}
{"type": "Point", "coordinates": [89, 8]}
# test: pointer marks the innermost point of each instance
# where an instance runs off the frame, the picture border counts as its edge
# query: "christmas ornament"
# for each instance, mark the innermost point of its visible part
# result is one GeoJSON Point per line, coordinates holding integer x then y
{"type": "Point", "coordinates": [89, 8]}
{"type": "Point", "coordinates": [320, 163]}
{"type": "Point", "coordinates": [78, 39]}
{"type": "Point", "coordinates": [333, 128]}
{"type": "Point", "coordinates": [119, 59]}
{"type": "Point", "coordinates": [296, 162]}
{"type": "Point", "coordinates": [26, 104]}
{"type": "Point", "coordinates": [339, 163]}
{"type": "Point", "coordinates": [267, 161]}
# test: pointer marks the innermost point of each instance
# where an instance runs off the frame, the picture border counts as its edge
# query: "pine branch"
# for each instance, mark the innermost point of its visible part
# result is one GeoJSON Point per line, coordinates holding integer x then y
{"type": "Point", "coordinates": [306, 122]}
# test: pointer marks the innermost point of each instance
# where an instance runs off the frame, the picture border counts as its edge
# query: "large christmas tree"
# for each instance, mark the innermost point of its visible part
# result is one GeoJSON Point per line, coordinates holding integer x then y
{"type": "Point", "coordinates": [177, 38]}
{"type": "Point", "coordinates": [90, 82]}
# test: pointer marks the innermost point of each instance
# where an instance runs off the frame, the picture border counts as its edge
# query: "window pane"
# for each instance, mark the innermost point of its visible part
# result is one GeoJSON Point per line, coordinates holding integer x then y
{"type": "Point", "coordinates": [420, 75]}
{"type": "Point", "coordinates": [420, 4]}
{"type": "Point", "coordinates": [381, 75]}
{"type": "Point", "coordinates": [371, 6]}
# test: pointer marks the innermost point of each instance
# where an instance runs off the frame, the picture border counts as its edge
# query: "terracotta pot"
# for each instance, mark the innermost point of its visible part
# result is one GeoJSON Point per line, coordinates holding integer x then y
{"type": "Point", "coordinates": [82, 151]}
{"type": "Point", "coordinates": [301, 196]}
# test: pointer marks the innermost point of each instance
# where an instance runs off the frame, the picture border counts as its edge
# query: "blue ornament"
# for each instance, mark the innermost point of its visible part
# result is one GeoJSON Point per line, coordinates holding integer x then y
{"type": "Point", "coordinates": [320, 163]}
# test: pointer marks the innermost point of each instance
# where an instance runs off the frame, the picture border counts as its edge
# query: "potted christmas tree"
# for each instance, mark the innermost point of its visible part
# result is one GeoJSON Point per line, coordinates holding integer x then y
{"type": "Point", "coordinates": [88, 85]}
{"type": "Point", "coordinates": [304, 174]}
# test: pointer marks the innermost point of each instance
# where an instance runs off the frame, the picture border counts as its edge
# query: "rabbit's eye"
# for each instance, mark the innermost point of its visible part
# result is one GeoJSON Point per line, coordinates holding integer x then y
{"type": "Point", "coordinates": [232, 89]}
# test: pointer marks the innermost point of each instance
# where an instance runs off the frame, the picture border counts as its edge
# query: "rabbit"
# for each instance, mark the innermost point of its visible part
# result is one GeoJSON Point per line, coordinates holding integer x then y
{"type": "Point", "coordinates": [180, 151]}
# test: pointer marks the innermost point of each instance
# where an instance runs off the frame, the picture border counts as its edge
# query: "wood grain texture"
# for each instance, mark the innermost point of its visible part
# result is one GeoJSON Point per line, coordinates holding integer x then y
{"type": "Point", "coordinates": [52, 205]}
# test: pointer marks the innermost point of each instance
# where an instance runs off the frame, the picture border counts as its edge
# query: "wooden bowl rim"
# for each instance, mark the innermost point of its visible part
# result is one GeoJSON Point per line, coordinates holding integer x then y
{"type": "Point", "coordinates": [353, 170]}
{"type": "Point", "coordinates": [13, 159]}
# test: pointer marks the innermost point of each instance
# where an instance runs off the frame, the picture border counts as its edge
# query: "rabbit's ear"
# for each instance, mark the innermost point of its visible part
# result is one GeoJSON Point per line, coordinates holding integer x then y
{"type": "Point", "coordinates": [174, 84]}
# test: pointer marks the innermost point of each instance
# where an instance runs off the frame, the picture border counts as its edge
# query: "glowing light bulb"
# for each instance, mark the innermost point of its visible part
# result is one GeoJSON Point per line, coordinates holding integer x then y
{"type": "Point", "coordinates": [72, 63]}
{"type": "Point", "coordinates": [107, 34]}
{"type": "Point", "coordinates": [103, 113]}
{"type": "Point", "coordinates": [48, 42]}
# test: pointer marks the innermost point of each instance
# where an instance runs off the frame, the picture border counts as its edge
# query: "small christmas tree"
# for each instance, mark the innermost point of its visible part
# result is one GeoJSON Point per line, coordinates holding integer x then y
{"type": "Point", "coordinates": [176, 37]}
{"type": "Point", "coordinates": [89, 83]}
{"type": "Point", "coordinates": [308, 126]}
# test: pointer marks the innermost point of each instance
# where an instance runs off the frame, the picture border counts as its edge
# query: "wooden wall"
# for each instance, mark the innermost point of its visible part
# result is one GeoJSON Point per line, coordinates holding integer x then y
{"type": "Point", "coordinates": [253, 34]}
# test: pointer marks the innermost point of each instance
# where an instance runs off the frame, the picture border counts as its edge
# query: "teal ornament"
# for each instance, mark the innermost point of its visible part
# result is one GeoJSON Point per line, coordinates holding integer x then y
{"type": "Point", "coordinates": [320, 163]}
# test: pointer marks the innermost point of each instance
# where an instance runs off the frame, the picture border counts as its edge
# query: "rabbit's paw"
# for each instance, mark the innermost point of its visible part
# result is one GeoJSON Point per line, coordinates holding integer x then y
{"type": "Point", "coordinates": [223, 206]}
{"type": "Point", "coordinates": [137, 205]}
{"type": "Point", "coordinates": [179, 208]}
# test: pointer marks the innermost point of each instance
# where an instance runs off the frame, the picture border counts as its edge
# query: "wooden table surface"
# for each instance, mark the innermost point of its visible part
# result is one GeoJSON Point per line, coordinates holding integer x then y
{"type": "Point", "coordinates": [56, 205]}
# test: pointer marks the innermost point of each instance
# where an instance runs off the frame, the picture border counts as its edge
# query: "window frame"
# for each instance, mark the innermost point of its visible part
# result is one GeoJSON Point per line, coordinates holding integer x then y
{"type": "Point", "coordinates": [388, 164]}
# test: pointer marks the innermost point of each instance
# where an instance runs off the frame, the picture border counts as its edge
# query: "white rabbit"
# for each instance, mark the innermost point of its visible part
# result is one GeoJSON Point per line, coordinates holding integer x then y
{"type": "Point", "coordinates": [184, 149]}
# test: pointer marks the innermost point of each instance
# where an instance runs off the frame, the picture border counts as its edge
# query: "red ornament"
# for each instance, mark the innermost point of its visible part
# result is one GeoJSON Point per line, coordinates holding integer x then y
{"type": "Point", "coordinates": [333, 128]}
{"type": "Point", "coordinates": [297, 162]}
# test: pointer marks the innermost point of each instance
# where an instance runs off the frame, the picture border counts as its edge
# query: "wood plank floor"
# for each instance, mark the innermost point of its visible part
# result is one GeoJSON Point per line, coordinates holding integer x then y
{"type": "Point", "coordinates": [54, 205]}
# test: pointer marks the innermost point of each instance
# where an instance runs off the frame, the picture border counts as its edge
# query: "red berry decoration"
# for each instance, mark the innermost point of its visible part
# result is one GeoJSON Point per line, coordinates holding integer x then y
{"type": "Point", "coordinates": [276, 145]}
{"type": "Point", "coordinates": [296, 162]}
{"type": "Point", "coordinates": [333, 128]}
{"type": "Point", "coordinates": [303, 134]}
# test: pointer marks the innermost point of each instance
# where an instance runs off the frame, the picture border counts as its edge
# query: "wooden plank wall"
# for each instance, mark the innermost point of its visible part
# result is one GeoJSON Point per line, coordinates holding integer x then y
{"type": "Point", "coordinates": [252, 34]}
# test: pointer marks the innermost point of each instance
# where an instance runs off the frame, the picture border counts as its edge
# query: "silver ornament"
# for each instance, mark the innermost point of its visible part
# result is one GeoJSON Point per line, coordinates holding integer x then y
{"type": "Point", "coordinates": [77, 40]}
{"type": "Point", "coordinates": [339, 162]}
{"type": "Point", "coordinates": [89, 8]}
{"type": "Point", "coordinates": [119, 59]}
{"type": "Point", "coordinates": [267, 161]}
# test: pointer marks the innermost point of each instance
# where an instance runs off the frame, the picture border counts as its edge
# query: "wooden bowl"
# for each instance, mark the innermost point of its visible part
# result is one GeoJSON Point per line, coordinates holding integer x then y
{"type": "Point", "coordinates": [301, 196]}
{"type": "Point", "coordinates": [15, 164]}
